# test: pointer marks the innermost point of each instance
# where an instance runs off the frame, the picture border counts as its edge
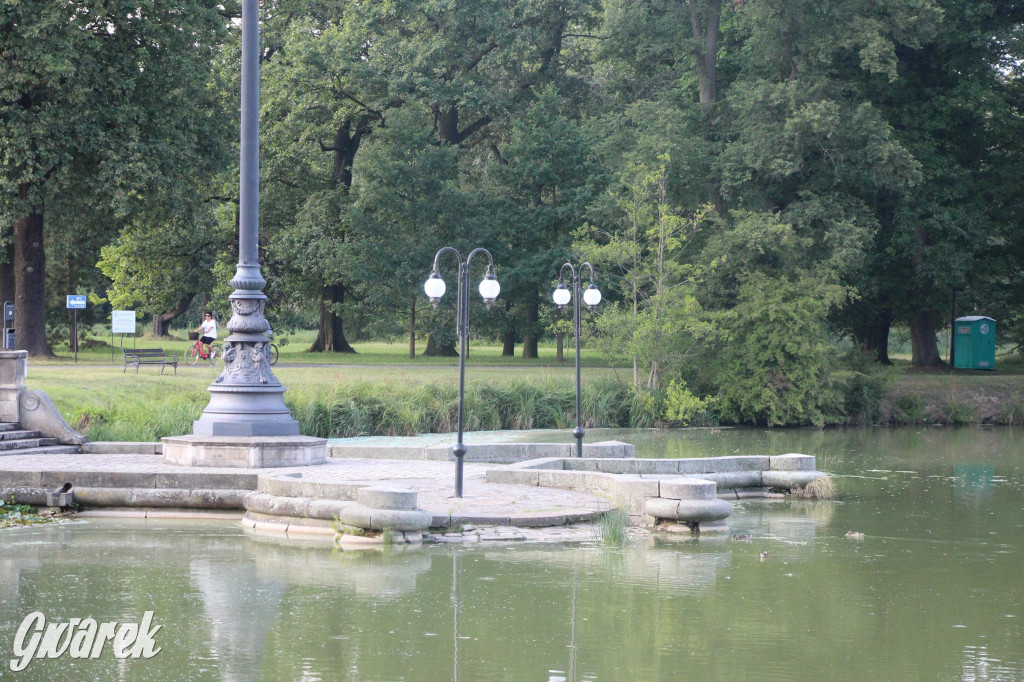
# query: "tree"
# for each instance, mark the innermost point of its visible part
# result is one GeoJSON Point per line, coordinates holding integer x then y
{"type": "Point", "coordinates": [659, 322]}
{"type": "Point", "coordinates": [107, 96]}
{"type": "Point", "coordinates": [409, 191]}
{"type": "Point", "coordinates": [770, 294]}
{"type": "Point", "coordinates": [160, 269]}
{"type": "Point", "coordinates": [537, 191]}
{"type": "Point", "coordinates": [953, 102]}
{"type": "Point", "coordinates": [326, 90]}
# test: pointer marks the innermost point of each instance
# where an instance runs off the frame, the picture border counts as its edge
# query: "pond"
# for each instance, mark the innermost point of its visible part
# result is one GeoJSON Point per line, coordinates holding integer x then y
{"type": "Point", "coordinates": [933, 590]}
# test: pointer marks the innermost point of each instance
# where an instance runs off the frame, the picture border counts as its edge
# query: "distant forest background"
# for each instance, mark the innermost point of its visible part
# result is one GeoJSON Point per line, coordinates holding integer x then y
{"type": "Point", "coordinates": [754, 181]}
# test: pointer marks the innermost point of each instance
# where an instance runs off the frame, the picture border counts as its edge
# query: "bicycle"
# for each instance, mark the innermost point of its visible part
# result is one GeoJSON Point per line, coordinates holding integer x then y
{"type": "Point", "coordinates": [195, 352]}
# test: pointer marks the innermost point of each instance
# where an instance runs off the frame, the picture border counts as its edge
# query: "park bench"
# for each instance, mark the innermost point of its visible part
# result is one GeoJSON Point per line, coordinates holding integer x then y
{"type": "Point", "coordinates": [148, 356]}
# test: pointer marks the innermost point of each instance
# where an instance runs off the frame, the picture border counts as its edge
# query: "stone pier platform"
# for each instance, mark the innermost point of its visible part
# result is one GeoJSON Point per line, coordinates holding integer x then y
{"type": "Point", "coordinates": [402, 499]}
{"type": "Point", "coordinates": [300, 500]}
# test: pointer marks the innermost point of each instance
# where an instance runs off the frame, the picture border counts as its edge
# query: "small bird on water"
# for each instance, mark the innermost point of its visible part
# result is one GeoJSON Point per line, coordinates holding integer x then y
{"type": "Point", "coordinates": [764, 556]}
{"type": "Point", "coordinates": [854, 535]}
{"type": "Point", "coordinates": [741, 537]}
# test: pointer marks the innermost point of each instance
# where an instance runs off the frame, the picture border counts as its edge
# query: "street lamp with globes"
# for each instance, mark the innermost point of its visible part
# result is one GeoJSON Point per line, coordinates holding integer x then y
{"type": "Point", "coordinates": [489, 290]}
{"type": "Point", "coordinates": [562, 296]}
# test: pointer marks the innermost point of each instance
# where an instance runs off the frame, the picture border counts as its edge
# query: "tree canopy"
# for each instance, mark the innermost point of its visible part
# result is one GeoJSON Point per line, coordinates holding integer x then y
{"type": "Point", "coordinates": [755, 181]}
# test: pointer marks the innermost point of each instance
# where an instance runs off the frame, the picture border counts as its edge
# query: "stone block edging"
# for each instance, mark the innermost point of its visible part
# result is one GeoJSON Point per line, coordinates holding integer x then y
{"type": "Point", "coordinates": [684, 490]}
{"type": "Point", "coordinates": [349, 513]}
{"type": "Point", "coordinates": [113, 447]}
{"type": "Point", "coordinates": [492, 453]}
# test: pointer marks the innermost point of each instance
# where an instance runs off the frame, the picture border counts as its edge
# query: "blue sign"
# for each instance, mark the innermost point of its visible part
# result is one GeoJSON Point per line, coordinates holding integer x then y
{"type": "Point", "coordinates": [76, 302]}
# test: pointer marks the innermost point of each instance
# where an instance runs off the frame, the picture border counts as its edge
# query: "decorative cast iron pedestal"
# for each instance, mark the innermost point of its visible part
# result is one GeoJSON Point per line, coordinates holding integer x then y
{"type": "Point", "coordinates": [247, 399]}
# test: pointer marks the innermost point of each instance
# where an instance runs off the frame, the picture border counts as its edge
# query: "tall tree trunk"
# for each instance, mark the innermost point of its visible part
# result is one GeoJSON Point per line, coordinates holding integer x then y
{"type": "Point", "coordinates": [882, 342]}
{"type": "Point", "coordinates": [7, 274]}
{"type": "Point", "coordinates": [876, 340]}
{"type": "Point", "coordinates": [436, 350]}
{"type": "Point", "coordinates": [924, 341]}
{"type": "Point", "coordinates": [508, 339]}
{"type": "Point", "coordinates": [162, 321]}
{"type": "Point", "coordinates": [705, 40]}
{"type": "Point", "coordinates": [705, 27]}
{"type": "Point", "coordinates": [559, 347]}
{"type": "Point", "coordinates": [30, 281]}
{"type": "Point", "coordinates": [508, 343]}
{"type": "Point", "coordinates": [873, 335]}
{"type": "Point", "coordinates": [412, 329]}
{"type": "Point", "coordinates": [532, 331]}
{"type": "Point", "coordinates": [653, 378]}
{"type": "Point", "coordinates": [330, 336]}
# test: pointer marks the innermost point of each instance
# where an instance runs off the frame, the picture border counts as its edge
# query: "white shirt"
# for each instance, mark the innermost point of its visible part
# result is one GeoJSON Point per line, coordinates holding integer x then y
{"type": "Point", "coordinates": [210, 328]}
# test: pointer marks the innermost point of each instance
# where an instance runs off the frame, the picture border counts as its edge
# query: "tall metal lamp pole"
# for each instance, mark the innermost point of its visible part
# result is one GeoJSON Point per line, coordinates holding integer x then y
{"type": "Point", "coordinates": [591, 296]}
{"type": "Point", "coordinates": [247, 399]}
{"type": "Point", "coordinates": [489, 290]}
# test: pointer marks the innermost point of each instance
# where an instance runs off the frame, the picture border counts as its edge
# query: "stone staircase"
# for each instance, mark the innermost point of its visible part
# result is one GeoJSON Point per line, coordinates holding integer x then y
{"type": "Point", "coordinates": [17, 441]}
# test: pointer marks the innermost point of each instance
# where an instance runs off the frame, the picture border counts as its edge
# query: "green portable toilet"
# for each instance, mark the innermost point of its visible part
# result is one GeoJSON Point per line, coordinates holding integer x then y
{"type": "Point", "coordinates": [975, 343]}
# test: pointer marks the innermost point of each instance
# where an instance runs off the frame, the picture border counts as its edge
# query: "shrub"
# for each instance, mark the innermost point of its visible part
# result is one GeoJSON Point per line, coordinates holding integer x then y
{"type": "Point", "coordinates": [1011, 410]}
{"type": "Point", "coordinates": [686, 408]}
{"type": "Point", "coordinates": [905, 408]}
{"type": "Point", "coordinates": [776, 368]}
{"type": "Point", "coordinates": [959, 410]}
{"type": "Point", "coordinates": [863, 385]}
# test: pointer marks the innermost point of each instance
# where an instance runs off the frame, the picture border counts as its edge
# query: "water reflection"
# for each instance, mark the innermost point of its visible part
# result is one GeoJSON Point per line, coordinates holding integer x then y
{"type": "Point", "coordinates": [931, 592]}
{"type": "Point", "coordinates": [974, 481]}
{"type": "Point", "coordinates": [240, 611]}
{"type": "Point", "coordinates": [382, 573]}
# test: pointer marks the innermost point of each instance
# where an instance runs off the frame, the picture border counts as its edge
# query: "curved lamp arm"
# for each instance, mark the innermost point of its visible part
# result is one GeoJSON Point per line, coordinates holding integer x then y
{"type": "Point", "coordinates": [592, 296]}
{"type": "Point", "coordinates": [435, 287]}
{"type": "Point", "coordinates": [489, 287]}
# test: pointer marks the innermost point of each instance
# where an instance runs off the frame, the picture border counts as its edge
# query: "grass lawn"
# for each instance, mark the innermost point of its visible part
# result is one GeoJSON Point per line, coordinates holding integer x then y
{"type": "Point", "coordinates": [109, 404]}
{"type": "Point", "coordinates": [98, 397]}
{"type": "Point", "coordinates": [293, 350]}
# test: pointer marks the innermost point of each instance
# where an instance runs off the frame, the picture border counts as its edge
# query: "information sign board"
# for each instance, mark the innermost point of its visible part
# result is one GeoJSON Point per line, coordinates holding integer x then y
{"type": "Point", "coordinates": [122, 322]}
{"type": "Point", "coordinates": [76, 302]}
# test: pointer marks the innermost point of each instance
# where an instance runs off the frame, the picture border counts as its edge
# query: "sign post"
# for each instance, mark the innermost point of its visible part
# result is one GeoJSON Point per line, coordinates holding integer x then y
{"type": "Point", "coordinates": [75, 303]}
{"type": "Point", "coordinates": [121, 322]}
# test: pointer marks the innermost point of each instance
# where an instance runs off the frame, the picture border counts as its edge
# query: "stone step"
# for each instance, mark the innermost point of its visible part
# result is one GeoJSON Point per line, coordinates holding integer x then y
{"type": "Point", "coordinates": [15, 434]}
{"type": "Point", "coordinates": [9, 426]}
{"type": "Point", "coordinates": [26, 443]}
{"type": "Point", "coordinates": [44, 450]}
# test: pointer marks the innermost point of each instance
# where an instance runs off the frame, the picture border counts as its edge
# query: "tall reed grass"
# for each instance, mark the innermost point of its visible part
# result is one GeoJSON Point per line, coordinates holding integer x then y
{"type": "Point", "coordinates": [402, 410]}
{"type": "Point", "coordinates": [390, 409]}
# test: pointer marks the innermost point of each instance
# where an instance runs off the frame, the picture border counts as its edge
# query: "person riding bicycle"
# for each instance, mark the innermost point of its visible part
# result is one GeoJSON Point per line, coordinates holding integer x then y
{"type": "Point", "coordinates": [209, 332]}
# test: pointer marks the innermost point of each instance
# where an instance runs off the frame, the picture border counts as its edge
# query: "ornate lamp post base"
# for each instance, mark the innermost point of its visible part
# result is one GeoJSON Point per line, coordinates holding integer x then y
{"type": "Point", "coordinates": [240, 410]}
{"type": "Point", "coordinates": [247, 399]}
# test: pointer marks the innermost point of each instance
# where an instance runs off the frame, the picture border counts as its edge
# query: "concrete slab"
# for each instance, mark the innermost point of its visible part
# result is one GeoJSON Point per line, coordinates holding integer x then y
{"type": "Point", "coordinates": [792, 462]}
{"type": "Point", "coordinates": [250, 452]}
{"type": "Point", "coordinates": [122, 448]}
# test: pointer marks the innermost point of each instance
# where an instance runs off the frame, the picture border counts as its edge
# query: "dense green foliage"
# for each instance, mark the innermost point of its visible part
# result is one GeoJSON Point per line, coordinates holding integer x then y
{"type": "Point", "coordinates": [753, 181]}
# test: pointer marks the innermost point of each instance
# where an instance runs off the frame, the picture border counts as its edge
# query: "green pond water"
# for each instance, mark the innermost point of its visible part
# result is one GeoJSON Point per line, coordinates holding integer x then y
{"type": "Point", "coordinates": [934, 591]}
